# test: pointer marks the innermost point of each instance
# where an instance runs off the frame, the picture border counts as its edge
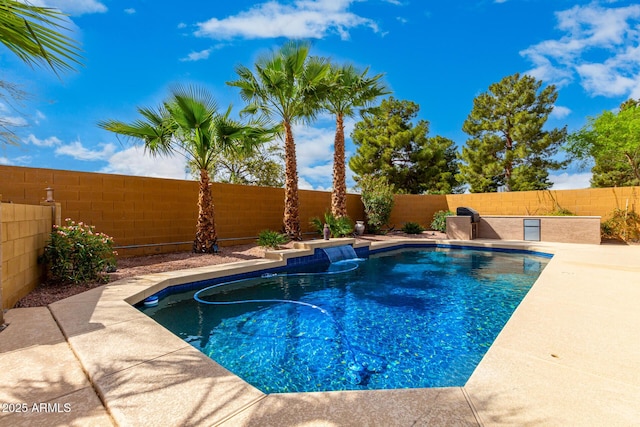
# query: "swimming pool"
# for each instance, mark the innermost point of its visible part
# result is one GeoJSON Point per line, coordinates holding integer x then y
{"type": "Point", "coordinates": [408, 318]}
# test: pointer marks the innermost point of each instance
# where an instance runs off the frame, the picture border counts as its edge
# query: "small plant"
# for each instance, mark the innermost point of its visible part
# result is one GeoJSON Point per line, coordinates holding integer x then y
{"type": "Point", "coordinates": [412, 228]}
{"type": "Point", "coordinates": [339, 227]}
{"type": "Point", "coordinates": [77, 254]}
{"type": "Point", "coordinates": [378, 199]}
{"type": "Point", "coordinates": [271, 239]}
{"type": "Point", "coordinates": [439, 222]}
{"type": "Point", "coordinates": [560, 212]}
{"type": "Point", "coordinates": [623, 225]}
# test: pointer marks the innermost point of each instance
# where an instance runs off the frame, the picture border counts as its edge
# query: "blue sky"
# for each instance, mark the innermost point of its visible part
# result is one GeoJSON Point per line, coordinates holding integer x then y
{"type": "Point", "coordinates": [439, 54]}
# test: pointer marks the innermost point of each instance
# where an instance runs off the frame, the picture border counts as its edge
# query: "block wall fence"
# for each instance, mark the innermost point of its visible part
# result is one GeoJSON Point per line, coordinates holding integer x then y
{"type": "Point", "coordinates": [152, 215]}
{"type": "Point", "coordinates": [24, 230]}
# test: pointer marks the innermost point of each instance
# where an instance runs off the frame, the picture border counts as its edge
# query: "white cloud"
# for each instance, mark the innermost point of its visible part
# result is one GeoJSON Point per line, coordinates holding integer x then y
{"type": "Point", "coordinates": [197, 56]}
{"type": "Point", "coordinates": [8, 120]}
{"type": "Point", "coordinates": [47, 142]}
{"type": "Point", "coordinates": [80, 152]}
{"type": "Point", "coordinates": [39, 117]}
{"type": "Point", "coordinates": [314, 152]}
{"type": "Point", "coordinates": [13, 121]}
{"type": "Point", "coordinates": [566, 181]}
{"type": "Point", "coordinates": [16, 161]}
{"type": "Point", "coordinates": [134, 161]}
{"type": "Point", "coordinates": [313, 145]}
{"type": "Point", "coordinates": [130, 11]}
{"type": "Point", "coordinates": [301, 19]}
{"type": "Point", "coordinates": [560, 112]}
{"type": "Point", "coordinates": [74, 7]}
{"type": "Point", "coordinates": [599, 48]}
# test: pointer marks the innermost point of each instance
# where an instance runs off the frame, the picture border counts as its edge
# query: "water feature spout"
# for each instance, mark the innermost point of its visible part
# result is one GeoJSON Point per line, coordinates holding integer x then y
{"type": "Point", "coordinates": [340, 253]}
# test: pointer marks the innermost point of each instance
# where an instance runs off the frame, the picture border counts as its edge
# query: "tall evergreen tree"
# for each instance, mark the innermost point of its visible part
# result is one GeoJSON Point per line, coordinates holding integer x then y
{"type": "Point", "coordinates": [508, 148]}
{"type": "Point", "coordinates": [391, 145]}
{"type": "Point", "coordinates": [612, 141]}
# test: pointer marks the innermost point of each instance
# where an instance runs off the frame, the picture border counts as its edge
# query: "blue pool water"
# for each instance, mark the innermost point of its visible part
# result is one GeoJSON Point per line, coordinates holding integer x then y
{"type": "Point", "coordinates": [402, 319]}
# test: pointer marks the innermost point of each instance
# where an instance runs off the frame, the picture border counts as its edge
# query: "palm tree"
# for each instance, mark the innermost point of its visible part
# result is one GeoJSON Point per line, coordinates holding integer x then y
{"type": "Point", "coordinates": [350, 91]}
{"type": "Point", "coordinates": [287, 87]}
{"type": "Point", "coordinates": [34, 33]}
{"type": "Point", "coordinates": [188, 123]}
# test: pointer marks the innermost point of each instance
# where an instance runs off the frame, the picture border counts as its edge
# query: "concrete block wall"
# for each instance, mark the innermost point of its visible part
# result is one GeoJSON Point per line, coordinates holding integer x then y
{"type": "Point", "coordinates": [416, 208]}
{"type": "Point", "coordinates": [24, 232]}
{"type": "Point", "coordinates": [154, 214]}
{"type": "Point", "coordinates": [588, 202]}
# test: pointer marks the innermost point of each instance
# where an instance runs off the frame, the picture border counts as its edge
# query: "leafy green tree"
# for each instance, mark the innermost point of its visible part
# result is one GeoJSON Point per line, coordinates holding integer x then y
{"type": "Point", "coordinates": [188, 123]}
{"type": "Point", "coordinates": [391, 145]}
{"type": "Point", "coordinates": [612, 141]}
{"type": "Point", "coordinates": [261, 166]}
{"type": "Point", "coordinates": [287, 86]}
{"type": "Point", "coordinates": [350, 91]}
{"type": "Point", "coordinates": [508, 148]}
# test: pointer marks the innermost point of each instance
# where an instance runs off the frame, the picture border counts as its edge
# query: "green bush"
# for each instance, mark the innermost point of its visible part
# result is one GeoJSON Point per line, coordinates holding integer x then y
{"type": "Point", "coordinates": [271, 239]}
{"type": "Point", "coordinates": [77, 254]}
{"type": "Point", "coordinates": [440, 220]}
{"type": "Point", "coordinates": [339, 227]}
{"type": "Point", "coordinates": [623, 225]}
{"type": "Point", "coordinates": [412, 228]}
{"type": "Point", "coordinates": [377, 198]}
{"type": "Point", "coordinates": [560, 212]}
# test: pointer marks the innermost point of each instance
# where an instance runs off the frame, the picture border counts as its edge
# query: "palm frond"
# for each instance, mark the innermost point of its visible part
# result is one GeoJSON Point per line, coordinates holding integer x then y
{"type": "Point", "coordinates": [34, 34]}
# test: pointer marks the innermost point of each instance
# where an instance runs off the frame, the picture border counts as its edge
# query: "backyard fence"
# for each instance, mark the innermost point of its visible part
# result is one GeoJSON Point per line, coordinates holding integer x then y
{"type": "Point", "coordinates": [24, 230]}
{"type": "Point", "coordinates": [153, 215]}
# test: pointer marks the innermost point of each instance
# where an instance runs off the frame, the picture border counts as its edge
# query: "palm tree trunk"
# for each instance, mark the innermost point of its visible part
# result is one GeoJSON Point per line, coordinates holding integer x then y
{"type": "Point", "coordinates": [291, 203]}
{"type": "Point", "coordinates": [339, 193]}
{"type": "Point", "coordinates": [206, 237]}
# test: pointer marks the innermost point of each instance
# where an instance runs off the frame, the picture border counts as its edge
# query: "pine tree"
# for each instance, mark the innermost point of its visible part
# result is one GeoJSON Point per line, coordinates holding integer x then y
{"type": "Point", "coordinates": [391, 145]}
{"type": "Point", "coordinates": [508, 148]}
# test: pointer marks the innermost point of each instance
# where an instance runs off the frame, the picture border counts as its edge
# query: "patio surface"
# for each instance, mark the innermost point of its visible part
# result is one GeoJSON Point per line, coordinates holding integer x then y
{"type": "Point", "coordinates": [569, 355]}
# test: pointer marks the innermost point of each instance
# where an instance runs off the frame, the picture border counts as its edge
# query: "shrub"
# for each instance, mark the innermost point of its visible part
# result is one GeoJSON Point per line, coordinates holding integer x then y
{"type": "Point", "coordinates": [623, 225]}
{"type": "Point", "coordinates": [339, 227]}
{"type": "Point", "coordinates": [439, 222]}
{"type": "Point", "coordinates": [271, 239]}
{"type": "Point", "coordinates": [560, 212]}
{"type": "Point", "coordinates": [377, 198]}
{"type": "Point", "coordinates": [412, 228]}
{"type": "Point", "coordinates": [77, 254]}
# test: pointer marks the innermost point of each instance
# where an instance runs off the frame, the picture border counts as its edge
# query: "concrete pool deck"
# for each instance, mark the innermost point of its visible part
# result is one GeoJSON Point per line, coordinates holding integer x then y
{"type": "Point", "coordinates": [569, 355]}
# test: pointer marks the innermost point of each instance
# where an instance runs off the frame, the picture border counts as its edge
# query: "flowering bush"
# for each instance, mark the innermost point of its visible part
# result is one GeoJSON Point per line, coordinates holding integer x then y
{"type": "Point", "coordinates": [77, 254]}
